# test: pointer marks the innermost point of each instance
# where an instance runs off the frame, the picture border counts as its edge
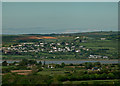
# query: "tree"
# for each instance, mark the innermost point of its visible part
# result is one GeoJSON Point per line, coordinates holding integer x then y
{"type": "Point", "coordinates": [32, 62]}
{"type": "Point", "coordinates": [111, 75]}
{"type": "Point", "coordinates": [14, 63]}
{"type": "Point", "coordinates": [6, 70]}
{"type": "Point", "coordinates": [103, 76]}
{"type": "Point", "coordinates": [98, 64]}
{"type": "Point", "coordinates": [40, 63]}
{"type": "Point", "coordinates": [85, 77]}
{"type": "Point", "coordinates": [70, 64]}
{"type": "Point", "coordinates": [40, 69]}
{"type": "Point", "coordinates": [24, 62]}
{"type": "Point", "coordinates": [34, 70]}
{"type": "Point", "coordinates": [57, 66]}
{"type": "Point", "coordinates": [92, 76]}
{"type": "Point", "coordinates": [44, 63]}
{"type": "Point", "coordinates": [88, 65]}
{"type": "Point", "coordinates": [4, 63]}
{"type": "Point", "coordinates": [62, 64]}
{"type": "Point", "coordinates": [104, 70]}
{"type": "Point", "coordinates": [119, 65]}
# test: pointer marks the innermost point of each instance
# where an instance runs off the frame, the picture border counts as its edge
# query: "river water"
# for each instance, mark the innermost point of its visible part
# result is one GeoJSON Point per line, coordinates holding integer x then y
{"type": "Point", "coordinates": [72, 61]}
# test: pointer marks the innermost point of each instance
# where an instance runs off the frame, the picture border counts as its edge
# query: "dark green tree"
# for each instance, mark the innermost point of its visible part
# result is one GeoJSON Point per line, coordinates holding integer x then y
{"type": "Point", "coordinates": [31, 62]}
{"type": "Point", "coordinates": [40, 63]}
{"type": "Point", "coordinates": [4, 63]}
{"type": "Point", "coordinates": [24, 62]}
{"type": "Point", "coordinates": [88, 65]}
{"type": "Point", "coordinates": [44, 63]}
{"type": "Point", "coordinates": [62, 64]}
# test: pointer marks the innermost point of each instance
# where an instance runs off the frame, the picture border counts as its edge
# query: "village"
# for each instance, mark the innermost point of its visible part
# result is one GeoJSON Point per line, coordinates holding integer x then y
{"type": "Point", "coordinates": [53, 48]}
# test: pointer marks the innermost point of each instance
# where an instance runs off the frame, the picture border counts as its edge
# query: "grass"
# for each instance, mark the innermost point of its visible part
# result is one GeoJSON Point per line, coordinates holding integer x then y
{"type": "Point", "coordinates": [107, 44]}
{"type": "Point", "coordinates": [51, 72]}
{"type": "Point", "coordinates": [15, 57]}
{"type": "Point", "coordinates": [57, 71]}
{"type": "Point", "coordinates": [7, 66]}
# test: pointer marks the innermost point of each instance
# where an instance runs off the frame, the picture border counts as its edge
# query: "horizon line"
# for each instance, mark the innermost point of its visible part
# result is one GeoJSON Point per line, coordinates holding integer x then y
{"type": "Point", "coordinates": [56, 33]}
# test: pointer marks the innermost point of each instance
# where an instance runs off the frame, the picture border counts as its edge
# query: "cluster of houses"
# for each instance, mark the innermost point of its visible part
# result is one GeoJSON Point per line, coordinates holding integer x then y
{"type": "Point", "coordinates": [97, 57]}
{"type": "Point", "coordinates": [50, 47]}
{"type": "Point", "coordinates": [41, 47]}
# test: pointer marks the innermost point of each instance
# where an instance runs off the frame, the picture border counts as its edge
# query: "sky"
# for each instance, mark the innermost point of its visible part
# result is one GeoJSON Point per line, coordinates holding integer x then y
{"type": "Point", "coordinates": [60, 0]}
{"type": "Point", "coordinates": [58, 17]}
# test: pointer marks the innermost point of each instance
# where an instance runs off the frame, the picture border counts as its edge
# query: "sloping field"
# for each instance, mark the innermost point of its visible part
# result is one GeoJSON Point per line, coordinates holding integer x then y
{"type": "Point", "coordinates": [35, 37]}
{"type": "Point", "coordinates": [48, 37]}
{"type": "Point", "coordinates": [22, 72]}
{"type": "Point", "coordinates": [15, 71]}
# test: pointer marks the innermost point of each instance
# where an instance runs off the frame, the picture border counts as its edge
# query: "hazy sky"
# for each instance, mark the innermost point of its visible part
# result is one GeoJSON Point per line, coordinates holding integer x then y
{"type": "Point", "coordinates": [59, 17]}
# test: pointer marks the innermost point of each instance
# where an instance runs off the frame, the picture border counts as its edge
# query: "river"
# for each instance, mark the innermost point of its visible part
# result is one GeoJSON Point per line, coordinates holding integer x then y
{"type": "Point", "coordinates": [71, 61]}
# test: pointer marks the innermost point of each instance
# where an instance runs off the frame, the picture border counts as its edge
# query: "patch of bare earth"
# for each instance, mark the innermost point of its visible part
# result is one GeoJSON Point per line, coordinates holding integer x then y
{"type": "Point", "coordinates": [35, 37]}
{"type": "Point", "coordinates": [22, 72]}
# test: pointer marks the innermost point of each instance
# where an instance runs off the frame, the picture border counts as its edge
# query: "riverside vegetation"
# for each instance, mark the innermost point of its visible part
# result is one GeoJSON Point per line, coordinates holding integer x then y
{"type": "Point", "coordinates": [29, 72]}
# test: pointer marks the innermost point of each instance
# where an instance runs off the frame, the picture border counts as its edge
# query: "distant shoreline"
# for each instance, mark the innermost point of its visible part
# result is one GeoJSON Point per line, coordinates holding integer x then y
{"type": "Point", "coordinates": [57, 33]}
{"type": "Point", "coordinates": [67, 60]}
{"type": "Point", "coordinates": [70, 61]}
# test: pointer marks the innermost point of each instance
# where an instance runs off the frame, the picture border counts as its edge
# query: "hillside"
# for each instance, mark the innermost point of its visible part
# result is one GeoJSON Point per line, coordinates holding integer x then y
{"type": "Point", "coordinates": [89, 45]}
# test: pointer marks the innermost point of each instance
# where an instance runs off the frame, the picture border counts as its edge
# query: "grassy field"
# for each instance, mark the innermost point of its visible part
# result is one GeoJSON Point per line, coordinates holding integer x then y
{"type": "Point", "coordinates": [51, 73]}
{"type": "Point", "coordinates": [103, 44]}
{"type": "Point", "coordinates": [58, 71]}
{"type": "Point", "coordinates": [15, 57]}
